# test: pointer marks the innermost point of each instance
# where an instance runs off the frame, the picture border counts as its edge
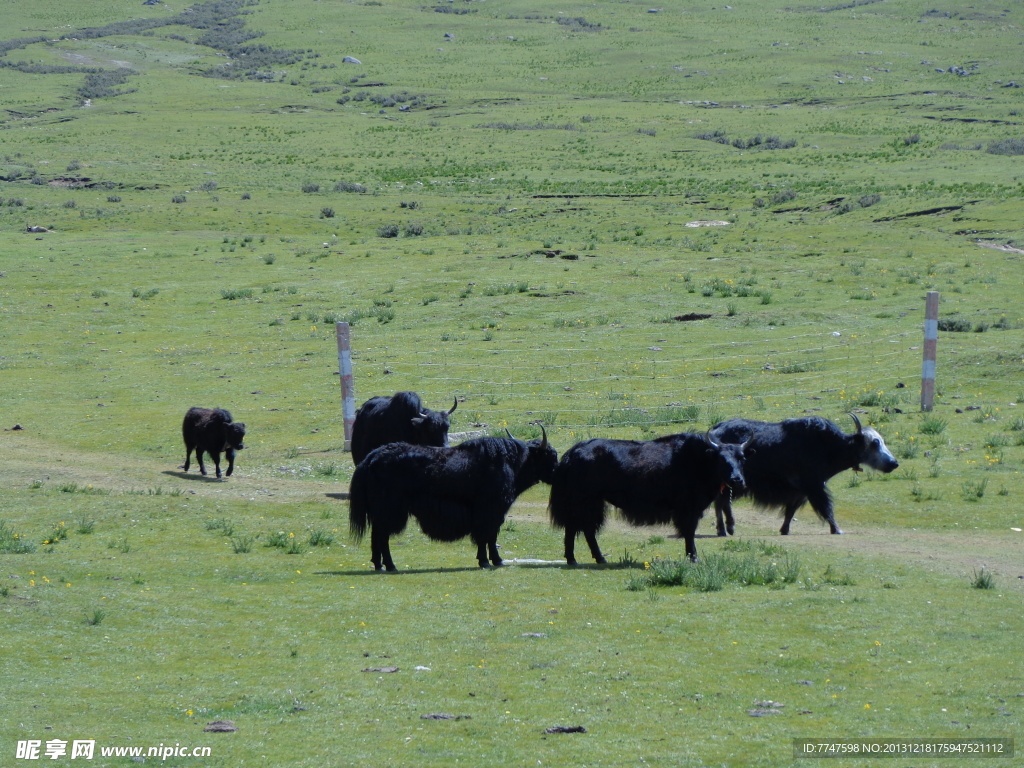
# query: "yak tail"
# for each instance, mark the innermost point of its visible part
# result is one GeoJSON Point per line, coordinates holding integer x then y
{"type": "Point", "coordinates": [357, 517]}
{"type": "Point", "coordinates": [560, 502]}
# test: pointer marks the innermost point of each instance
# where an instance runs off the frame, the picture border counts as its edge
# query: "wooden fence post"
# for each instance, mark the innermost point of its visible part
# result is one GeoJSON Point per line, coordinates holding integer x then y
{"type": "Point", "coordinates": [931, 338]}
{"type": "Point", "coordinates": [348, 394]}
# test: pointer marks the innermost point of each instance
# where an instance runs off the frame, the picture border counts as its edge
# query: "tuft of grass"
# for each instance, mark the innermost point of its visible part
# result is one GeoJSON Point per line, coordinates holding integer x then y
{"type": "Point", "coordinates": [714, 571]}
{"type": "Point", "coordinates": [320, 538]}
{"type": "Point", "coordinates": [974, 490]}
{"type": "Point", "coordinates": [12, 543]}
{"type": "Point", "coordinates": [836, 579]}
{"type": "Point", "coordinates": [233, 294]}
{"type": "Point", "coordinates": [933, 425]}
{"type": "Point", "coordinates": [241, 545]}
{"type": "Point", "coordinates": [983, 579]}
{"type": "Point", "coordinates": [221, 525]}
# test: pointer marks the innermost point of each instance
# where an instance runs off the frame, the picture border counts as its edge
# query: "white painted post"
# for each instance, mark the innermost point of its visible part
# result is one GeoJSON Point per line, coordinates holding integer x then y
{"type": "Point", "coordinates": [348, 393]}
{"type": "Point", "coordinates": [931, 339]}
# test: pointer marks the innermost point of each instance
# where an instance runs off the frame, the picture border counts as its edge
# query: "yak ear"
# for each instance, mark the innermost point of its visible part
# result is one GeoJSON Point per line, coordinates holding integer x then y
{"type": "Point", "coordinates": [456, 405]}
{"type": "Point", "coordinates": [416, 421]}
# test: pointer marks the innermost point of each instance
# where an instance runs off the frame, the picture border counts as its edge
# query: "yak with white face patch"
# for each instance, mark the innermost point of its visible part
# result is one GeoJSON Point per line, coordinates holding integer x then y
{"type": "Point", "coordinates": [788, 464]}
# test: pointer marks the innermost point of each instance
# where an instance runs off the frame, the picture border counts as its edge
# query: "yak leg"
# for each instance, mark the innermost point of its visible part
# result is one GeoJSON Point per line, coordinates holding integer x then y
{"type": "Point", "coordinates": [821, 502]}
{"type": "Point", "coordinates": [595, 550]}
{"type": "Point", "coordinates": [788, 517]}
{"type": "Point", "coordinates": [570, 546]}
{"type": "Point", "coordinates": [216, 462]}
{"type": "Point", "coordinates": [481, 554]}
{"type": "Point", "coordinates": [230, 455]}
{"type": "Point", "coordinates": [492, 549]}
{"type": "Point", "coordinates": [688, 530]}
{"type": "Point", "coordinates": [381, 551]}
{"type": "Point", "coordinates": [724, 521]}
{"type": "Point", "coordinates": [188, 456]}
{"type": "Point", "coordinates": [487, 546]}
{"type": "Point", "coordinates": [199, 461]}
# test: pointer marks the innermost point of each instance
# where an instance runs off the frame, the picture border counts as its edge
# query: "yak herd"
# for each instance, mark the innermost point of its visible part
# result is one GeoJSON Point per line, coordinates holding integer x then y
{"type": "Point", "coordinates": [405, 467]}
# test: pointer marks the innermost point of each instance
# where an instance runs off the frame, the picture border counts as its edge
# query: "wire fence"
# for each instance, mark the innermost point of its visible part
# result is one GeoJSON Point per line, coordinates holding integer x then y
{"type": "Point", "coordinates": [618, 377]}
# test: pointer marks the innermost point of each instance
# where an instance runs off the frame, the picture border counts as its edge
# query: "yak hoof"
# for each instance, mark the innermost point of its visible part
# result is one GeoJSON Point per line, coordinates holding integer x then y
{"type": "Point", "coordinates": [600, 560]}
{"type": "Point", "coordinates": [837, 532]}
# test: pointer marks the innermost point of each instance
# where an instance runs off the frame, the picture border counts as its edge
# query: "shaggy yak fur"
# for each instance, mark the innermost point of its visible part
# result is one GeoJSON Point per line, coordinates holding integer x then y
{"type": "Point", "coordinates": [789, 462]}
{"type": "Point", "coordinates": [400, 418]}
{"type": "Point", "coordinates": [464, 490]}
{"type": "Point", "coordinates": [672, 479]}
{"type": "Point", "coordinates": [211, 431]}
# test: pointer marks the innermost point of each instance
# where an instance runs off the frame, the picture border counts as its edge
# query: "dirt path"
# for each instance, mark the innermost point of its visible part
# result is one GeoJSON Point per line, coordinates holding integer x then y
{"type": "Point", "coordinates": [27, 459]}
{"type": "Point", "coordinates": [952, 553]}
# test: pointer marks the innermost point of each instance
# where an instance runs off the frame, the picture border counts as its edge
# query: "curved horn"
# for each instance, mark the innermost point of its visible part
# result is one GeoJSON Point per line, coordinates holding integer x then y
{"type": "Point", "coordinates": [709, 440]}
{"type": "Point", "coordinates": [508, 433]}
{"type": "Point", "coordinates": [544, 437]}
{"type": "Point", "coordinates": [456, 405]}
{"type": "Point", "coordinates": [857, 422]}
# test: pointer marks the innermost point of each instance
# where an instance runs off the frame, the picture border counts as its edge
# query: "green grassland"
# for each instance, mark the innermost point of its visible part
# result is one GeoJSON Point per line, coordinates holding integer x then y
{"type": "Point", "coordinates": [614, 221]}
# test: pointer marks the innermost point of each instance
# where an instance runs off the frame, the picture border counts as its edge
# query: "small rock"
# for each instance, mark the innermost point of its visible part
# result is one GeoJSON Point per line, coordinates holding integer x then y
{"type": "Point", "coordinates": [565, 729]}
{"type": "Point", "coordinates": [221, 726]}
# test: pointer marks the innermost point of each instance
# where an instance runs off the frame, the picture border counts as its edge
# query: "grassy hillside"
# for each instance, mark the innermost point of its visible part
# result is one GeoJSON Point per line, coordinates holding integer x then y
{"type": "Point", "coordinates": [617, 221]}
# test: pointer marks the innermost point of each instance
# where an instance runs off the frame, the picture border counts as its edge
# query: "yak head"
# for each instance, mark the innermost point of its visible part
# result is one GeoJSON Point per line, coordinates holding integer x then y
{"type": "Point", "coordinates": [871, 449]}
{"type": "Point", "coordinates": [234, 433]}
{"type": "Point", "coordinates": [544, 456]}
{"type": "Point", "coordinates": [729, 460]}
{"type": "Point", "coordinates": [539, 461]}
{"type": "Point", "coordinates": [431, 427]}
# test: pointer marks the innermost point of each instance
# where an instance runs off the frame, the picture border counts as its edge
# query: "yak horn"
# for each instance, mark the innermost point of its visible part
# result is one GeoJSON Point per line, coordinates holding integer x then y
{"type": "Point", "coordinates": [454, 406]}
{"type": "Point", "coordinates": [857, 422]}
{"type": "Point", "coordinates": [544, 436]}
{"type": "Point", "coordinates": [710, 440]}
{"type": "Point", "coordinates": [508, 433]}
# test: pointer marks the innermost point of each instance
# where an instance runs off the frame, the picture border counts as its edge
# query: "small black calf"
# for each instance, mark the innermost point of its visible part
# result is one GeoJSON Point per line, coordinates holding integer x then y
{"type": "Point", "coordinates": [211, 431]}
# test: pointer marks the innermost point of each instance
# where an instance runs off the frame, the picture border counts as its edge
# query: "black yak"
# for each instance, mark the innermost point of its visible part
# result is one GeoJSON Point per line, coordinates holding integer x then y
{"type": "Point", "coordinates": [789, 462]}
{"type": "Point", "coordinates": [453, 492]}
{"type": "Point", "coordinates": [672, 479]}
{"type": "Point", "coordinates": [400, 418]}
{"type": "Point", "coordinates": [211, 431]}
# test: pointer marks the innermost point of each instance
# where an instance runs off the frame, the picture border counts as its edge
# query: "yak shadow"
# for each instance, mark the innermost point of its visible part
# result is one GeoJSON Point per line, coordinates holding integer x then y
{"type": "Point", "coordinates": [195, 476]}
{"type": "Point", "coordinates": [560, 564]}
{"type": "Point", "coordinates": [402, 572]}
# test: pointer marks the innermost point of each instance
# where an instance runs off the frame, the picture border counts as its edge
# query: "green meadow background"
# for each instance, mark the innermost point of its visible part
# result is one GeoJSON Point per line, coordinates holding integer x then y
{"type": "Point", "coordinates": [614, 218]}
